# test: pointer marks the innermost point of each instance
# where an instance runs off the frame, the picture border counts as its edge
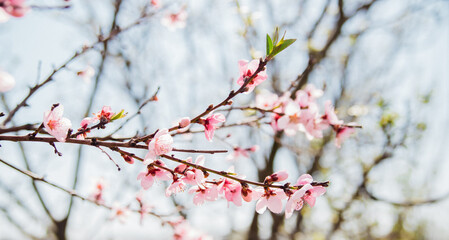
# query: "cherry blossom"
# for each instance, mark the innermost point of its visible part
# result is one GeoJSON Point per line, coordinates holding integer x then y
{"type": "Point", "coordinates": [232, 191]}
{"type": "Point", "coordinates": [15, 8]}
{"type": "Point", "coordinates": [7, 81]}
{"type": "Point", "coordinates": [247, 193]}
{"type": "Point", "coordinates": [147, 177]}
{"type": "Point", "coordinates": [277, 177]}
{"type": "Point", "coordinates": [120, 213]}
{"type": "Point", "coordinates": [330, 117]}
{"type": "Point", "coordinates": [97, 193]}
{"type": "Point", "coordinates": [192, 176]}
{"type": "Point", "coordinates": [86, 74]}
{"type": "Point", "coordinates": [267, 100]}
{"type": "Point", "coordinates": [105, 114]}
{"type": "Point", "coordinates": [210, 124]}
{"type": "Point", "coordinates": [184, 122]}
{"type": "Point", "coordinates": [343, 133]}
{"type": "Point", "coordinates": [295, 201]}
{"type": "Point", "coordinates": [178, 185]}
{"type": "Point", "coordinates": [55, 124]}
{"type": "Point", "coordinates": [312, 193]}
{"type": "Point", "coordinates": [291, 120]}
{"type": "Point", "coordinates": [246, 70]}
{"type": "Point", "coordinates": [269, 198]}
{"type": "Point", "coordinates": [204, 192]}
{"type": "Point", "coordinates": [175, 21]}
{"type": "Point", "coordinates": [160, 144]}
{"type": "Point", "coordinates": [308, 95]}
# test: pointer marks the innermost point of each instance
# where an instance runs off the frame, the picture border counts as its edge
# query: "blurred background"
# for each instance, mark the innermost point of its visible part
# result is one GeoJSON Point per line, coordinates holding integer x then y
{"type": "Point", "coordinates": [383, 63]}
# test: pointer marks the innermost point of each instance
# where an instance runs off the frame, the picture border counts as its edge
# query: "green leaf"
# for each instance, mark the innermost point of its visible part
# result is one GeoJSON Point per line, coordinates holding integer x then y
{"type": "Point", "coordinates": [119, 115]}
{"type": "Point", "coordinates": [285, 43]}
{"type": "Point", "coordinates": [281, 46]}
{"type": "Point", "coordinates": [269, 45]}
{"type": "Point", "coordinates": [276, 36]}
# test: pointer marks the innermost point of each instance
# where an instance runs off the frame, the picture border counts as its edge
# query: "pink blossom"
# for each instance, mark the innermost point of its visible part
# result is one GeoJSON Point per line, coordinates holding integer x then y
{"type": "Point", "coordinates": [15, 8]}
{"type": "Point", "coordinates": [120, 213]}
{"type": "Point", "coordinates": [266, 100]}
{"type": "Point", "coordinates": [330, 117]}
{"type": "Point", "coordinates": [160, 144]}
{"type": "Point", "coordinates": [105, 114]}
{"type": "Point", "coordinates": [295, 201]}
{"type": "Point", "coordinates": [7, 81]}
{"type": "Point", "coordinates": [308, 95]}
{"type": "Point", "coordinates": [144, 208]}
{"type": "Point", "coordinates": [204, 192]}
{"type": "Point", "coordinates": [237, 153]}
{"type": "Point", "coordinates": [313, 125]}
{"type": "Point", "coordinates": [156, 3]}
{"type": "Point", "coordinates": [247, 193]}
{"type": "Point", "coordinates": [147, 177]}
{"type": "Point", "coordinates": [246, 70]}
{"type": "Point", "coordinates": [232, 191]}
{"type": "Point", "coordinates": [312, 193]}
{"type": "Point", "coordinates": [184, 122]}
{"type": "Point", "coordinates": [178, 185]}
{"type": "Point", "coordinates": [343, 133]}
{"type": "Point", "coordinates": [55, 124]}
{"type": "Point", "coordinates": [87, 74]}
{"type": "Point", "coordinates": [271, 198]}
{"type": "Point", "coordinates": [277, 177]}
{"type": "Point", "coordinates": [192, 176]}
{"type": "Point", "coordinates": [174, 21]}
{"type": "Point", "coordinates": [97, 193]}
{"type": "Point", "coordinates": [210, 124]}
{"type": "Point", "coordinates": [291, 119]}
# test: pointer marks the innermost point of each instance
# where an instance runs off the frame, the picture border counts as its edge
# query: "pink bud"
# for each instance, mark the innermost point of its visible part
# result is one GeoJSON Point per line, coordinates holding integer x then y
{"type": "Point", "coordinates": [254, 148]}
{"type": "Point", "coordinates": [184, 122]}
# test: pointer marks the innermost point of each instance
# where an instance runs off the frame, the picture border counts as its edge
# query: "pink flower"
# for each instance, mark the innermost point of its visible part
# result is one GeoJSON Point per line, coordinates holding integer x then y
{"type": "Point", "coordinates": [246, 70]}
{"type": "Point", "coordinates": [86, 74]}
{"type": "Point", "coordinates": [156, 3]}
{"type": "Point", "coordinates": [192, 176]}
{"type": "Point", "coordinates": [15, 8]}
{"type": "Point", "coordinates": [55, 124]}
{"type": "Point", "coordinates": [237, 153]}
{"type": "Point", "coordinates": [247, 193]}
{"type": "Point", "coordinates": [175, 20]}
{"type": "Point", "coordinates": [266, 100]}
{"type": "Point", "coordinates": [308, 95]}
{"type": "Point", "coordinates": [271, 198]}
{"type": "Point", "coordinates": [105, 114]}
{"type": "Point", "coordinates": [184, 122]}
{"type": "Point", "coordinates": [343, 133]}
{"type": "Point", "coordinates": [178, 185]}
{"type": "Point", "coordinates": [7, 81]}
{"type": "Point", "coordinates": [295, 202]}
{"type": "Point", "coordinates": [232, 191]}
{"type": "Point", "coordinates": [147, 177]}
{"type": "Point", "coordinates": [120, 213]}
{"type": "Point", "coordinates": [277, 177]}
{"type": "Point", "coordinates": [312, 193]}
{"type": "Point", "coordinates": [330, 117]}
{"type": "Point", "coordinates": [210, 124]}
{"type": "Point", "coordinates": [160, 144]}
{"type": "Point", "coordinates": [204, 192]}
{"type": "Point", "coordinates": [144, 208]}
{"type": "Point", "coordinates": [291, 119]}
{"type": "Point", "coordinates": [97, 193]}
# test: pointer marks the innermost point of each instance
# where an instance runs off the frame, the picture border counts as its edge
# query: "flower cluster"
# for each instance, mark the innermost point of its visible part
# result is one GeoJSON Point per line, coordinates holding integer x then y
{"type": "Point", "coordinates": [234, 190]}
{"type": "Point", "coordinates": [302, 114]}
